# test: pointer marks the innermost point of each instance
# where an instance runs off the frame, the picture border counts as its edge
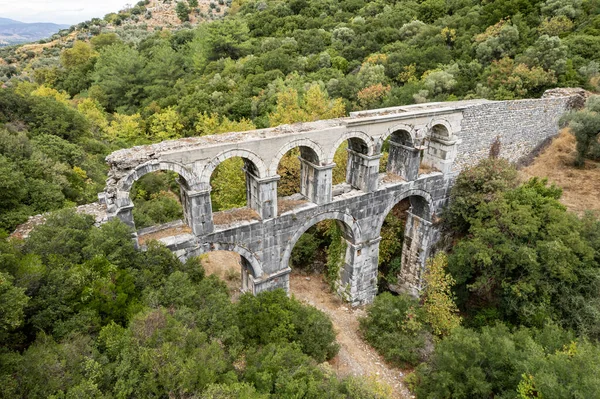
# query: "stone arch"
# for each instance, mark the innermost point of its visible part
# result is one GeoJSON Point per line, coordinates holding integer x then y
{"type": "Point", "coordinates": [306, 143]}
{"type": "Point", "coordinates": [255, 264]}
{"type": "Point", "coordinates": [350, 226]}
{"type": "Point", "coordinates": [256, 162]}
{"type": "Point", "coordinates": [426, 202]}
{"type": "Point", "coordinates": [189, 178]}
{"type": "Point", "coordinates": [402, 129]}
{"type": "Point", "coordinates": [440, 128]}
{"type": "Point", "coordinates": [362, 139]}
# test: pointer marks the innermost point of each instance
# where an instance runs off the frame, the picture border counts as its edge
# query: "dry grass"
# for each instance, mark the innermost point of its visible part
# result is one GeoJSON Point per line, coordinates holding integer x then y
{"type": "Point", "coordinates": [174, 231]}
{"type": "Point", "coordinates": [226, 266]}
{"type": "Point", "coordinates": [425, 169]}
{"type": "Point", "coordinates": [390, 177]}
{"type": "Point", "coordinates": [235, 215]}
{"type": "Point", "coordinates": [285, 205]}
{"type": "Point", "coordinates": [581, 186]}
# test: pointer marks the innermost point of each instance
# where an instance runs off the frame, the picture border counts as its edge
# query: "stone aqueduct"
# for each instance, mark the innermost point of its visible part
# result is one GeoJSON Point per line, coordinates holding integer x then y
{"type": "Point", "coordinates": [444, 136]}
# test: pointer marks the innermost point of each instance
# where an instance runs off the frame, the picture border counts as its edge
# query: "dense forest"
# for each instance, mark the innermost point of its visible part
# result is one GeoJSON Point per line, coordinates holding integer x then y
{"type": "Point", "coordinates": [512, 304]}
{"type": "Point", "coordinates": [267, 63]}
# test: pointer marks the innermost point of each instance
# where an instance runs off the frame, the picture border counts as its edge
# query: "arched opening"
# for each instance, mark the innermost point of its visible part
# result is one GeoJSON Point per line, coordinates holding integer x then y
{"type": "Point", "coordinates": [390, 247]}
{"type": "Point", "coordinates": [400, 159]}
{"type": "Point", "coordinates": [318, 255]}
{"type": "Point", "coordinates": [299, 171]}
{"type": "Point", "coordinates": [156, 197]}
{"type": "Point", "coordinates": [233, 269]}
{"type": "Point", "coordinates": [354, 167]}
{"type": "Point", "coordinates": [404, 244]}
{"type": "Point", "coordinates": [233, 184]}
{"type": "Point", "coordinates": [440, 131]}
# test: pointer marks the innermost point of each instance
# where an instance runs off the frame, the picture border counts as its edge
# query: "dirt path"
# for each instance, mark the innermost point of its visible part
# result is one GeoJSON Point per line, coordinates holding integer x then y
{"type": "Point", "coordinates": [355, 356]}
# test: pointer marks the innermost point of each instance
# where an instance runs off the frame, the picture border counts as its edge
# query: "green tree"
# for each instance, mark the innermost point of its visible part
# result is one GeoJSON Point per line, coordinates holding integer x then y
{"type": "Point", "coordinates": [439, 309]}
{"type": "Point", "coordinates": [183, 11]}
{"type": "Point", "coordinates": [117, 75]}
{"type": "Point", "coordinates": [527, 260]}
{"type": "Point", "coordinates": [496, 362]}
{"type": "Point", "coordinates": [12, 304]}
{"type": "Point", "coordinates": [474, 187]}
{"type": "Point", "coordinates": [394, 326]}
{"type": "Point", "coordinates": [585, 125]}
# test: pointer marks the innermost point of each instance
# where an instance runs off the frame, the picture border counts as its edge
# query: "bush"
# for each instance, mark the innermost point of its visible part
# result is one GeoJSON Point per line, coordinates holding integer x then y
{"type": "Point", "coordinates": [529, 259]}
{"type": "Point", "coordinates": [162, 208]}
{"type": "Point", "coordinates": [394, 327]}
{"type": "Point", "coordinates": [475, 186]}
{"type": "Point", "coordinates": [499, 363]}
{"type": "Point", "coordinates": [305, 250]}
{"type": "Point", "coordinates": [273, 317]}
{"type": "Point", "coordinates": [585, 125]}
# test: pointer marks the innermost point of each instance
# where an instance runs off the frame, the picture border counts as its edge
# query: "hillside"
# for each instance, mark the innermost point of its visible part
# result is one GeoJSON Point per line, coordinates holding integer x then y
{"type": "Point", "coordinates": [15, 32]}
{"type": "Point", "coordinates": [581, 186]}
{"type": "Point", "coordinates": [133, 23]}
{"type": "Point", "coordinates": [510, 305]}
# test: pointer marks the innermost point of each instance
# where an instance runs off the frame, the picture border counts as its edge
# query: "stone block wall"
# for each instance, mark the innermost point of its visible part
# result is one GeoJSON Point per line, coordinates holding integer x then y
{"type": "Point", "coordinates": [520, 125]}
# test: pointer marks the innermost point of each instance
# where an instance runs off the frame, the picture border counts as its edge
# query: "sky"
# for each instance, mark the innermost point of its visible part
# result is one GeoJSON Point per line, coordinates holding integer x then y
{"type": "Point", "coordinates": [67, 12]}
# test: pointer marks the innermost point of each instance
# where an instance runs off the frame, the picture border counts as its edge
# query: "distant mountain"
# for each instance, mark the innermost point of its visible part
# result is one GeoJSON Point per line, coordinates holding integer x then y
{"type": "Point", "coordinates": [15, 32]}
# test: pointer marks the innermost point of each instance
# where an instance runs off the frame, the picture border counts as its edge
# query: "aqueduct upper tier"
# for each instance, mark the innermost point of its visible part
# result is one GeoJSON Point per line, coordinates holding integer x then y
{"type": "Point", "coordinates": [443, 136]}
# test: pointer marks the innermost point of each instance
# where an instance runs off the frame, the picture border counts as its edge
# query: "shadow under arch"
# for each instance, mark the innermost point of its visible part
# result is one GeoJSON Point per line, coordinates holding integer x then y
{"type": "Point", "coordinates": [440, 128]}
{"type": "Point", "coordinates": [394, 133]}
{"type": "Point", "coordinates": [421, 205]}
{"type": "Point", "coordinates": [247, 255]}
{"type": "Point", "coordinates": [350, 228]}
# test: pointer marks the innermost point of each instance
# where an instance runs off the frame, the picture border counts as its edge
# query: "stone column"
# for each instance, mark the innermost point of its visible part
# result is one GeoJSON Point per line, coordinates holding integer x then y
{"type": "Point", "coordinates": [197, 211]}
{"type": "Point", "coordinates": [316, 181]}
{"type": "Point", "coordinates": [261, 194]}
{"type": "Point", "coordinates": [279, 279]}
{"type": "Point", "coordinates": [404, 161]}
{"type": "Point", "coordinates": [125, 213]}
{"type": "Point", "coordinates": [418, 239]}
{"type": "Point", "coordinates": [358, 283]}
{"type": "Point", "coordinates": [362, 171]}
{"type": "Point", "coordinates": [441, 153]}
{"type": "Point", "coordinates": [247, 278]}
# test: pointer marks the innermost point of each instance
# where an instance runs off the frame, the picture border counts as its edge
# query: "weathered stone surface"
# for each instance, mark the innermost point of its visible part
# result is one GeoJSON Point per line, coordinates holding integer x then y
{"type": "Point", "coordinates": [445, 136]}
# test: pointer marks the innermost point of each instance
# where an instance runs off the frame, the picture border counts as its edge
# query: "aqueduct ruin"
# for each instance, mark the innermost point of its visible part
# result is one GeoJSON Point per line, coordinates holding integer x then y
{"type": "Point", "coordinates": [444, 136]}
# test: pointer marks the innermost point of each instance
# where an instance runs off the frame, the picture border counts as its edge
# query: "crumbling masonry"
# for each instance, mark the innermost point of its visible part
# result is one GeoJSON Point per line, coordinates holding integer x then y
{"type": "Point", "coordinates": [445, 137]}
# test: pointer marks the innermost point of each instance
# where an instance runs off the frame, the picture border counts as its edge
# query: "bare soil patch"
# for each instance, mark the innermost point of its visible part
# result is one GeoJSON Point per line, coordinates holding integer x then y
{"type": "Point", "coordinates": [581, 186]}
{"type": "Point", "coordinates": [174, 231]}
{"type": "Point", "coordinates": [227, 267]}
{"type": "Point", "coordinates": [356, 357]}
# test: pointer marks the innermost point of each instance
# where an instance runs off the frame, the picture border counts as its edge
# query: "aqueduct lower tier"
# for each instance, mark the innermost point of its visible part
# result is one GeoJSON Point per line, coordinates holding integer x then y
{"type": "Point", "coordinates": [445, 137]}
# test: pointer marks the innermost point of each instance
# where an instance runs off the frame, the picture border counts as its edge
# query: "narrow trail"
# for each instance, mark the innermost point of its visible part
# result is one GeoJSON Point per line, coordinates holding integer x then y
{"type": "Point", "coordinates": [356, 357]}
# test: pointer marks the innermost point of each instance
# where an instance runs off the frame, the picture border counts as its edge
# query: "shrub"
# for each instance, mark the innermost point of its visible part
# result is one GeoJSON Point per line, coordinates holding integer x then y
{"type": "Point", "coordinates": [394, 327]}
{"type": "Point", "coordinates": [585, 125]}
{"type": "Point", "coordinates": [273, 317]}
{"type": "Point", "coordinates": [305, 250]}
{"type": "Point", "coordinates": [475, 186]}
{"type": "Point", "coordinates": [439, 309]}
{"type": "Point", "coordinates": [499, 363]}
{"type": "Point", "coordinates": [527, 257]}
{"type": "Point", "coordinates": [162, 208]}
